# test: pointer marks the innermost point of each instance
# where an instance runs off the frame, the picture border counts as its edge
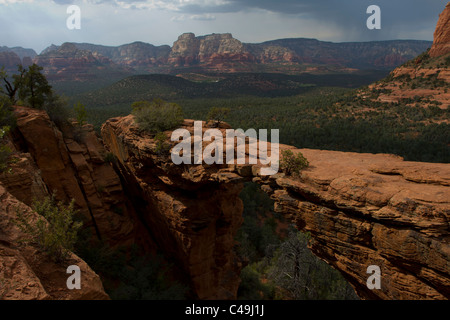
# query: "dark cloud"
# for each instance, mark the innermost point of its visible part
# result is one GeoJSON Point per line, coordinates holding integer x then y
{"type": "Point", "coordinates": [345, 19]}
{"type": "Point", "coordinates": [63, 1]}
{"type": "Point", "coordinates": [398, 16]}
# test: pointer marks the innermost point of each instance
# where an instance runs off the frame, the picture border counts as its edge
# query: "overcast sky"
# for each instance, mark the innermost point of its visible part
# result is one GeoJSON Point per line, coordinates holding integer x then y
{"type": "Point", "coordinates": [37, 24]}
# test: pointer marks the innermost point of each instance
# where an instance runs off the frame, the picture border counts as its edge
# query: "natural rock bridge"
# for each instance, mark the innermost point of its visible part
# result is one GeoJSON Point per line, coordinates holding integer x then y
{"type": "Point", "coordinates": [360, 209]}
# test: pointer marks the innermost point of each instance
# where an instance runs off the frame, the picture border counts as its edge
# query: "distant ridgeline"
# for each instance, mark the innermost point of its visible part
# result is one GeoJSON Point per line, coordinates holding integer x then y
{"type": "Point", "coordinates": [219, 53]}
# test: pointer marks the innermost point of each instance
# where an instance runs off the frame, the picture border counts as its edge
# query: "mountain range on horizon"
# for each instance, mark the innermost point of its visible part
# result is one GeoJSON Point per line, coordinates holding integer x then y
{"type": "Point", "coordinates": [216, 53]}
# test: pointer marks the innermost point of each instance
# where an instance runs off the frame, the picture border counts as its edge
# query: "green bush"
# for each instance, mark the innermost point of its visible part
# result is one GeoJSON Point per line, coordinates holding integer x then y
{"type": "Point", "coordinates": [146, 278]}
{"type": "Point", "coordinates": [5, 151]}
{"type": "Point", "coordinates": [218, 114]}
{"type": "Point", "coordinates": [251, 287]}
{"type": "Point", "coordinates": [80, 113]}
{"type": "Point", "coordinates": [157, 116]}
{"type": "Point", "coordinates": [7, 121]}
{"type": "Point", "coordinates": [55, 231]}
{"type": "Point", "coordinates": [57, 110]}
{"type": "Point", "coordinates": [110, 158]}
{"type": "Point", "coordinates": [162, 147]}
{"type": "Point", "coordinates": [292, 164]}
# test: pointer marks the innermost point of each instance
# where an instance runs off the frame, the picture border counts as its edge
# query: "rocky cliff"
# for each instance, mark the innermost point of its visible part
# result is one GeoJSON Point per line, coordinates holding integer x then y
{"type": "Point", "coordinates": [364, 209]}
{"type": "Point", "coordinates": [192, 213]}
{"type": "Point", "coordinates": [424, 79]}
{"type": "Point", "coordinates": [360, 209]}
{"type": "Point", "coordinates": [218, 52]}
{"type": "Point", "coordinates": [42, 167]}
{"type": "Point", "coordinates": [28, 274]}
{"type": "Point", "coordinates": [68, 162]}
{"type": "Point", "coordinates": [11, 57]}
{"type": "Point", "coordinates": [441, 44]}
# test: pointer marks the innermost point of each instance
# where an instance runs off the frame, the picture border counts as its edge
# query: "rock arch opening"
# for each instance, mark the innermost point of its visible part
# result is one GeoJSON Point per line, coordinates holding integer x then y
{"type": "Point", "coordinates": [277, 261]}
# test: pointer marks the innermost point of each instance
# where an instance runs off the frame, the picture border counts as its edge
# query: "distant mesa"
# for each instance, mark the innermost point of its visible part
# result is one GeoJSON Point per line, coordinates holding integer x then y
{"type": "Point", "coordinates": [11, 57]}
{"type": "Point", "coordinates": [222, 53]}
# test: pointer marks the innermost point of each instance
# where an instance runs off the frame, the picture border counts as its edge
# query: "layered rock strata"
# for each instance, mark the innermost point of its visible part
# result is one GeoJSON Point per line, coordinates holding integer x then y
{"type": "Point", "coordinates": [360, 209]}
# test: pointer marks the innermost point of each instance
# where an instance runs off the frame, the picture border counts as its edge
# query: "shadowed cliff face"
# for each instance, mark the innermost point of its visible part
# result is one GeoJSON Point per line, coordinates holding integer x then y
{"type": "Point", "coordinates": [70, 166]}
{"type": "Point", "coordinates": [193, 213]}
{"type": "Point", "coordinates": [360, 209]}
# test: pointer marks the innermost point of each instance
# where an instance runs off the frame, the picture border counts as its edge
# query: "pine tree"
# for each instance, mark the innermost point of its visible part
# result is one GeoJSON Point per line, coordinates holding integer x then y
{"type": "Point", "coordinates": [34, 89]}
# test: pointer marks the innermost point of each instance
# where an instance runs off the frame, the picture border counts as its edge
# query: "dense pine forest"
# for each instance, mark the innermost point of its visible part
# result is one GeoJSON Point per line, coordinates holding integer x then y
{"type": "Point", "coordinates": [308, 115]}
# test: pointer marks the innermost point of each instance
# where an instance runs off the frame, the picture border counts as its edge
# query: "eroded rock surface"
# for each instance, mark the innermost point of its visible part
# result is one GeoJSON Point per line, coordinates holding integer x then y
{"type": "Point", "coordinates": [441, 44]}
{"type": "Point", "coordinates": [360, 209]}
{"type": "Point", "coordinates": [28, 274]}
{"type": "Point", "coordinates": [191, 213]}
{"type": "Point", "coordinates": [365, 209]}
{"type": "Point", "coordinates": [69, 169]}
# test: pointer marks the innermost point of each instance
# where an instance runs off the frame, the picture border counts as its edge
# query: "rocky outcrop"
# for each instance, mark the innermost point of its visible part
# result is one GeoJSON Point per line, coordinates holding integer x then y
{"type": "Point", "coordinates": [70, 166]}
{"type": "Point", "coordinates": [360, 209]}
{"type": "Point", "coordinates": [191, 212]}
{"type": "Point", "coordinates": [70, 163]}
{"type": "Point", "coordinates": [10, 58]}
{"type": "Point", "coordinates": [441, 44]}
{"type": "Point", "coordinates": [364, 209]}
{"type": "Point", "coordinates": [215, 52]}
{"type": "Point", "coordinates": [28, 274]}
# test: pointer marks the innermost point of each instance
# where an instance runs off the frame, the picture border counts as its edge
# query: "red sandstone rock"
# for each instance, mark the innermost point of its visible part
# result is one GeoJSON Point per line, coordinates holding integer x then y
{"type": "Point", "coordinates": [441, 44]}
{"type": "Point", "coordinates": [28, 274]}
{"type": "Point", "coordinates": [360, 209]}
{"type": "Point", "coordinates": [375, 210]}
{"type": "Point", "coordinates": [367, 210]}
{"type": "Point", "coordinates": [72, 170]}
{"type": "Point", "coordinates": [192, 218]}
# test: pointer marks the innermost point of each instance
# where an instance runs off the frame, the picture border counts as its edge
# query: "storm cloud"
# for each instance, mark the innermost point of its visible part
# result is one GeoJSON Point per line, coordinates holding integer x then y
{"type": "Point", "coordinates": [38, 23]}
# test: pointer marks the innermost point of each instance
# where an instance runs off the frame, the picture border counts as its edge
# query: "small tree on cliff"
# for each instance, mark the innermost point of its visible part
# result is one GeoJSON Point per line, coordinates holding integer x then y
{"type": "Point", "coordinates": [157, 116]}
{"type": "Point", "coordinates": [30, 87]}
{"type": "Point", "coordinates": [291, 163]}
{"type": "Point", "coordinates": [34, 89]}
{"type": "Point", "coordinates": [12, 86]}
{"type": "Point", "coordinates": [218, 115]}
{"type": "Point", "coordinates": [7, 122]}
{"type": "Point", "coordinates": [55, 231]}
{"type": "Point", "coordinates": [80, 113]}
